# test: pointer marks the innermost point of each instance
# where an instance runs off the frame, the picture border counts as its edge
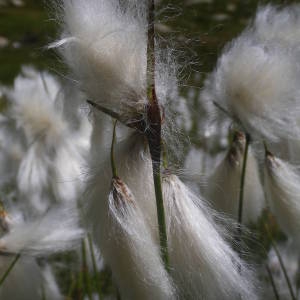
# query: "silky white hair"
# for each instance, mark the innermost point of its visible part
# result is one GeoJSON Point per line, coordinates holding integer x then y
{"type": "Point", "coordinates": [223, 185]}
{"type": "Point", "coordinates": [249, 84]}
{"type": "Point", "coordinates": [104, 43]}
{"type": "Point", "coordinates": [283, 194]}
{"type": "Point", "coordinates": [52, 149]}
{"type": "Point", "coordinates": [130, 250]}
{"type": "Point", "coordinates": [203, 265]}
{"type": "Point", "coordinates": [135, 259]}
{"type": "Point", "coordinates": [56, 231]}
{"type": "Point", "coordinates": [278, 26]}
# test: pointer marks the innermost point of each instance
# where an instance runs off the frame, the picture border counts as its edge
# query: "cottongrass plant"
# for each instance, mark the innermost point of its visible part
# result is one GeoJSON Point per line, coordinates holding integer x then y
{"type": "Point", "coordinates": [112, 53]}
{"type": "Point", "coordinates": [158, 238]}
{"type": "Point", "coordinates": [249, 86]}
{"type": "Point", "coordinates": [265, 105]}
{"type": "Point", "coordinates": [282, 193]}
{"type": "Point", "coordinates": [203, 265]}
{"type": "Point", "coordinates": [223, 185]}
{"type": "Point", "coordinates": [52, 151]}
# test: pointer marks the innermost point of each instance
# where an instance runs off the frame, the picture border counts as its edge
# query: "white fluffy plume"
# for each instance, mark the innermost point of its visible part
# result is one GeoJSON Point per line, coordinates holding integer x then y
{"type": "Point", "coordinates": [278, 26]}
{"type": "Point", "coordinates": [53, 149]}
{"type": "Point", "coordinates": [283, 194]}
{"type": "Point", "coordinates": [130, 250]}
{"type": "Point", "coordinates": [224, 183]}
{"type": "Point", "coordinates": [104, 43]}
{"type": "Point", "coordinates": [56, 231]}
{"type": "Point", "coordinates": [258, 86]}
{"type": "Point", "coordinates": [203, 265]}
{"type": "Point", "coordinates": [248, 80]}
{"type": "Point", "coordinates": [128, 236]}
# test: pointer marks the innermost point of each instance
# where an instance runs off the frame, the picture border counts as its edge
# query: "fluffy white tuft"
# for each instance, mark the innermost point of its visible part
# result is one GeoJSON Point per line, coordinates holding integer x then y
{"type": "Point", "coordinates": [283, 194]}
{"type": "Point", "coordinates": [104, 43]}
{"type": "Point", "coordinates": [54, 232]}
{"type": "Point", "coordinates": [130, 250]}
{"type": "Point", "coordinates": [259, 88]}
{"type": "Point", "coordinates": [203, 265]}
{"type": "Point", "coordinates": [278, 26]}
{"type": "Point", "coordinates": [224, 184]}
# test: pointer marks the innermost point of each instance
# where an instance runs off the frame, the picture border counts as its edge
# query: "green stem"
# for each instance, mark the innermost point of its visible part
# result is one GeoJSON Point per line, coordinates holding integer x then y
{"type": "Point", "coordinates": [287, 279]}
{"type": "Point", "coordinates": [242, 182]}
{"type": "Point", "coordinates": [153, 134]}
{"type": "Point", "coordinates": [105, 110]}
{"type": "Point", "coordinates": [72, 287]}
{"type": "Point", "coordinates": [161, 217]}
{"type": "Point", "coordinates": [85, 270]}
{"type": "Point", "coordinates": [284, 270]}
{"type": "Point", "coordinates": [9, 269]}
{"type": "Point", "coordinates": [112, 149]}
{"type": "Point", "coordinates": [276, 294]}
{"type": "Point", "coordinates": [96, 275]}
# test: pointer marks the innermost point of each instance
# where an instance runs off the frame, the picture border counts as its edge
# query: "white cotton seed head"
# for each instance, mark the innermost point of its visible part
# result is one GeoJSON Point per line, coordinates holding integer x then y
{"type": "Point", "coordinates": [259, 88]}
{"type": "Point", "coordinates": [223, 185]}
{"type": "Point", "coordinates": [133, 165]}
{"type": "Point", "coordinates": [128, 248]}
{"type": "Point", "coordinates": [203, 265]}
{"type": "Point", "coordinates": [283, 194]}
{"type": "Point", "coordinates": [54, 232]}
{"type": "Point", "coordinates": [34, 106]}
{"type": "Point", "coordinates": [104, 43]}
{"type": "Point", "coordinates": [278, 26]}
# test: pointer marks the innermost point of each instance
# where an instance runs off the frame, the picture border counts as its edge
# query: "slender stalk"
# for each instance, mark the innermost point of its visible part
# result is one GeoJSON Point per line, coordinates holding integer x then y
{"type": "Point", "coordinates": [112, 149]}
{"type": "Point", "coordinates": [153, 134]}
{"type": "Point", "coordinates": [276, 294]}
{"type": "Point", "coordinates": [105, 110]}
{"type": "Point", "coordinates": [96, 275]}
{"type": "Point", "coordinates": [85, 270]}
{"type": "Point", "coordinates": [287, 279]}
{"type": "Point", "coordinates": [72, 287]}
{"type": "Point", "coordinates": [242, 182]}
{"type": "Point", "coordinates": [11, 266]}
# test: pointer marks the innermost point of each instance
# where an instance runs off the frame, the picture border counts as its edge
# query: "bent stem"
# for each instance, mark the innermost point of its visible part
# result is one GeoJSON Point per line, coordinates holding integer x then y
{"type": "Point", "coordinates": [11, 266]}
{"type": "Point", "coordinates": [276, 294]}
{"type": "Point", "coordinates": [153, 134]}
{"type": "Point", "coordinates": [287, 279]}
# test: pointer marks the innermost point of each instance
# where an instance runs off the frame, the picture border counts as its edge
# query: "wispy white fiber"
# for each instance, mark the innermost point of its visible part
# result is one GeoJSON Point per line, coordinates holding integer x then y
{"type": "Point", "coordinates": [133, 165]}
{"type": "Point", "coordinates": [223, 185]}
{"type": "Point", "coordinates": [54, 138]}
{"type": "Point", "coordinates": [56, 231]}
{"type": "Point", "coordinates": [50, 286]}
{"type": "Point", "coordinates": [128, 242]}
{"type": "Point", "coordinates": [283, 194]}
{"type": "Point", "coordinates": [278, 26]}
{"type": "Point", "coordinates": [258, 87]}
{"type": "Point", "coordinates": [104, 43]}
{"type": "Point", "coordinates": [203, 265]}
{"type": "Point", "coordinates": [130, 250]}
